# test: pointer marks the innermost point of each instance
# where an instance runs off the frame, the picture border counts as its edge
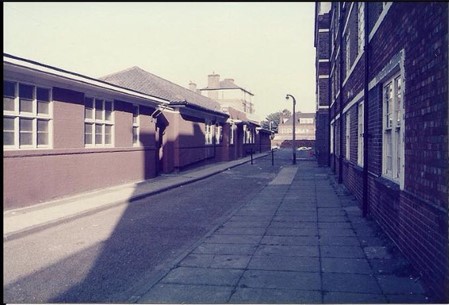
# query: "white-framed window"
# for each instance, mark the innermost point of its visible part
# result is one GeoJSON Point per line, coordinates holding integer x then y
{"type": "Point", "coordinates": [136, 125]}
{"type": "Point", "coordinates": [360, 131]}
{"type": "Point", "coordinates": [218, 134]}
{"type": "Point", "coordinates": [348, 136]}
{"type": "Point", "coordinates": [332, 138]}
{"type": "Point", "coordinates": [248, 134]}
{"type": "Point", "coordinates": [348, 52]}
{"type": "Point", "coordinates": [306, 121]}
{"type": "Point", "coordinates": [98, 122]}
{"type": "Point", "coordinates": [232, 128]}
{"type": "Point", "coordinates": [360, 26]}
{"type": "Point", "coordinates": [27, 116]}
{"type": "Point", "coordinates": [393, 127]}
{"type": "Point", "coordinates": [208, 133]}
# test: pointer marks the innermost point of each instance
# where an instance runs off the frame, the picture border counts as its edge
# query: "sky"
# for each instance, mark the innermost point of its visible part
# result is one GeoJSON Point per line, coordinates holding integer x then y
{"type": "Point", "coordinates": [266, 47]}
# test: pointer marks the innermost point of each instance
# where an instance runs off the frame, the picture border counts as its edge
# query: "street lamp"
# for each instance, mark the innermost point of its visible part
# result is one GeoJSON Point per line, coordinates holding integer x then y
{"type": "Point", "coordinates": [294, 129]}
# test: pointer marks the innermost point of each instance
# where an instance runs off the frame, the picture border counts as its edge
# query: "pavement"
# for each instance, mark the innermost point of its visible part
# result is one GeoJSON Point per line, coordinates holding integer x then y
{"type": "Point", "coordinates": [302, 239]}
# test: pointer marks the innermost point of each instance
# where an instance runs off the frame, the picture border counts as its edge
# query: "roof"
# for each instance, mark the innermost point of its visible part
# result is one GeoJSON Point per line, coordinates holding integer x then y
{"type": "Point", "coordinates": [30, 66]}
{"type": "Point", "coordinates": [228, 84]}
{"type": "Point", "coordinates": [140, 80]}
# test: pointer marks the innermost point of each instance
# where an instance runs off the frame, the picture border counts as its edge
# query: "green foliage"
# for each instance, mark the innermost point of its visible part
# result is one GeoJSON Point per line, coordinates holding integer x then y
{"type": "Point", "coordinates": [275, 119]}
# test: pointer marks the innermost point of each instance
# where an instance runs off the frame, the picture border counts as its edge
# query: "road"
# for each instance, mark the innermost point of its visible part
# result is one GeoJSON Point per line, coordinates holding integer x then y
{"type": "Point", "coordinates": [111, 255]}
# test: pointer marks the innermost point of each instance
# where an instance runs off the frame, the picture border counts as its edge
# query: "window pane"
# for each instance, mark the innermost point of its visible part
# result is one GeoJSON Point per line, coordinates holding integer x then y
{"type": "Point", "coordinates": [9, 89]}
{"type": "Point", "coordinates": [26, 105]}
{"type": "Point", "coordinates": [88, 133]}
{"type": "Point", "coordinates": [135, 134]}
{"type": "Point", "coordinates": [43, 107]}
{"type": "Point", "coordinates": [43, 94]}
{"type": "Point", "coordinates": [42, 132]}
{"type": "Point", "coordinates": [98, 134]}
{"type": "Point", "coordinates": [108, 110]}
{"type": "Point", "coordinates": [8, 103]}
{"type": "Point", "coordinates": [8, 131]}
{"type": "Point", "coordinates": [26, 125]}
{"type": "Point", "coordinates": [107, 134]}
{"type": "Point", "coordinates": [88, 106]}
{"type": "Point", "coordinates": [98, 109]}
{"type": "Point", "coordinates": [26, 91]}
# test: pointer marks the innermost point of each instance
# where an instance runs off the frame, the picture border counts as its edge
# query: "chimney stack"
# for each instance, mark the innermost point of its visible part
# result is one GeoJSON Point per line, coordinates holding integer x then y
{"type": "Point", "coordinates": [213, 81]}
{"type": "Point", "coordinates": [192, 86]}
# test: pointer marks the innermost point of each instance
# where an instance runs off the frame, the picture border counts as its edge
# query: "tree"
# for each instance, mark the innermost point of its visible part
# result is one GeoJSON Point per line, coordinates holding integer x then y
{"type": "Point", "coordinates": [275, 118]}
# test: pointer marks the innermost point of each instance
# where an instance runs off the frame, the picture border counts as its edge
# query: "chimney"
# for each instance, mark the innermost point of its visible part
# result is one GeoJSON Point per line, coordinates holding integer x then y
{"type": "Point", "coordinates": [192, 86]}
{"type": "Point", "coordinates": [213, 81]}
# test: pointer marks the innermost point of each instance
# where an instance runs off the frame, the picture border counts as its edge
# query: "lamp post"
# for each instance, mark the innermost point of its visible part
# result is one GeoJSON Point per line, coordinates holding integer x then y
{"type": "Point", "coordinates": [294, 128]}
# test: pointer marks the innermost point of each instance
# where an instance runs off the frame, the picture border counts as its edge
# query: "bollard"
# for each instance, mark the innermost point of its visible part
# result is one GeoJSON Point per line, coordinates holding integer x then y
{"type": "Point", "coordinates": [251, 157]}
{"type": "Point", "coordinates": [272, 157]}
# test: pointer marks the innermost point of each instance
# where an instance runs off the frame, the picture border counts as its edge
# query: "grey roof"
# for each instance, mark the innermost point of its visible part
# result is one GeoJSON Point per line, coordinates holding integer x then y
{"type": "Point", "coordinates": [228, 84]}
{"type": "Point", "coordinates": [140, 80]}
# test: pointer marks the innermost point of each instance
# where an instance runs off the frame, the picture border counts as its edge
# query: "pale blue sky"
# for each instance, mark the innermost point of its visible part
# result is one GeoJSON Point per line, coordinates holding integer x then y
{"type": "Point", "coordinates": [266, 47]}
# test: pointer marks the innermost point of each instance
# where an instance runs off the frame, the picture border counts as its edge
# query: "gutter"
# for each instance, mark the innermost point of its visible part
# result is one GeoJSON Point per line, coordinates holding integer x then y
{"type": "Point", "coordinates": [365, 194]}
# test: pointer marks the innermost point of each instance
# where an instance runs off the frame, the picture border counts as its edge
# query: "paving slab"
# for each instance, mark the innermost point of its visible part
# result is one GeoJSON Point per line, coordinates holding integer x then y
{"type": "Point", "coordinates": [357, 283]}
{"type": "Point", "coordinates": [342, 251]}
{"type": "Point", "coordinates": [203, 276]}
{"type": "Point", "coordinates": [233, 239]}
{"type": "Point", "coordinates": [308, 251]}
{"type": "Point", "coordinates": [290, 240]}
{"type": "Point", "coordinates": [239, 249]}
{"type": "Point", "coordinates": [285, 263]}
{"type": "Point", "coordinates": [275, 296]}
{"type": "Point", "coordinates": [345, 265]}
{"type": "Point", "coordinates": [351, 298]}
{"type": "Point", "coordinates": [180, 294]}
{"type": "Point", "coordinates": [280, 280]}
{"type": "Point", "coordinates": [216, 261]}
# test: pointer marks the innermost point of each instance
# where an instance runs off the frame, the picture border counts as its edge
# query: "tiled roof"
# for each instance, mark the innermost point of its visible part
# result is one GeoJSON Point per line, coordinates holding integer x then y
{"type": "Point", "coordinates": [228, 84]}
{"type": "Point", "coordinates": [140, 80]}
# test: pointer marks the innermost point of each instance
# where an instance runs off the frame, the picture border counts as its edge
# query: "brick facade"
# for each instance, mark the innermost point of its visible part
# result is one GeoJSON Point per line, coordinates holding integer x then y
{"type": "Point", "coordinates": [409, 40]}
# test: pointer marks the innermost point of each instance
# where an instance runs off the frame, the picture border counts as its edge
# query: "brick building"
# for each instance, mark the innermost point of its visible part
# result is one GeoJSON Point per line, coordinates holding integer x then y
{"type": "Point", "coordinates": [389, 123]}
{"type": "Point", "coordinates": [321, 43]}
{"type": "Point", "coordinates": [65, 133]}
{"type": "Point", "coordinates": [304, 130]}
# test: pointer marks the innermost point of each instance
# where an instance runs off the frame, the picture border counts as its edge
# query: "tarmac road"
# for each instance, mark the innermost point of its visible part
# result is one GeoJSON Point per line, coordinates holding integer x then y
{"type": "Point", "coordinates": [109, 255]}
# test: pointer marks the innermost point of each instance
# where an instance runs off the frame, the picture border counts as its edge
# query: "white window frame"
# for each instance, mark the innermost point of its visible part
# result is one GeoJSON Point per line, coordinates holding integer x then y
{"type": "Point", "coordinates": [360, 26]}
{"type": "Point", "coordinates": [232, 128]}
{"type": "Point", "coordinates": [332, 138]}
{"type": "Point", "coordinates": [208, 133]}
{"type": "Point", "coordinates": [393, 129]}
{"type": "Point", "coordinates": [218, 134]}
{"type": "Point", "coordinates": [101, 122]}
{"type": "Point", "coordinates": [136, 125]}
{"type": "Point", "coordinates": [348, 136]}
{"type": "Point", "coordinates": [360, 131]}
{"type": "Point", "coordinates": [16, 115]}
{"type": "Point", "coordinates": [348, 52]}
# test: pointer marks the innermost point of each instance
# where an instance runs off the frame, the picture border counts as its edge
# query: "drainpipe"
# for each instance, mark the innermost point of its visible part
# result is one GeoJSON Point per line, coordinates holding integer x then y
{"type": "Point", "coordinates": [365, 204]}
{"type": "Point", "coordinates": [340, 157]}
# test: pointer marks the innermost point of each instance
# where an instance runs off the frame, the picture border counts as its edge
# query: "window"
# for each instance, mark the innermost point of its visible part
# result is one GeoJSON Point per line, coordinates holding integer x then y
{"type": "Point", "coordinates": [306, 121]}
{"type": "Point", "coordinates": [332, 139]}
{"type": "Point", "coordinates": [231, 134]}
{"type": "Point", "coordinates": [393, 121]}
{"type": "Point", "coordinates": [360, 134]}
{"type": "Point", "coordinates": [136, 125]}
{"type": "Point", "coordinates": [26, 116]}
{"type": "Point", "coordinates": [218, 134]}
{"type": "Point", "coordinates": [98, 122]}
{"type": "Point", "coordinates": [360, 26]}
{"type": "Point", "coordinates": [348, 136]}
{"type": "Point", "coordinates": [208, 133]}
{"type": "Point", "coordinates": [348, 52]}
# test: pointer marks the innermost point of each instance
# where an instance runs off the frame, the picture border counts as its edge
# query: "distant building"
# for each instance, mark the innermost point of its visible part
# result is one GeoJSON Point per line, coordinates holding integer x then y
{"type": "Point", "coordinates": [305, 130]}
{"type": "Point", "coordinates": [229, 94]}
{"type": "Point", "coordinates": [389, 122]}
